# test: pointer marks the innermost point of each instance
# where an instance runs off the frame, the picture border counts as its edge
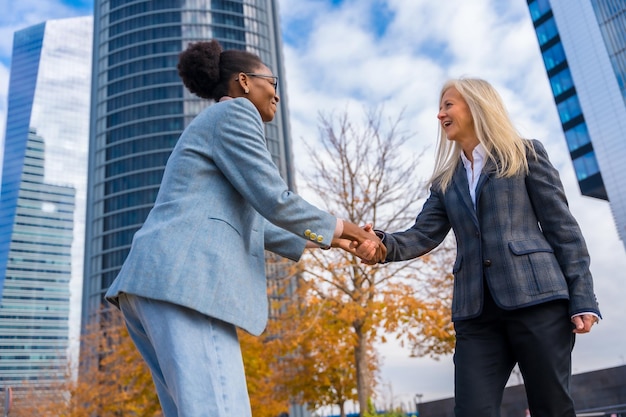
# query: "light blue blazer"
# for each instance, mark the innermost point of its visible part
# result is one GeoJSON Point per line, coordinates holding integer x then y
{"type": "Point", "coordinates": [222, 201]}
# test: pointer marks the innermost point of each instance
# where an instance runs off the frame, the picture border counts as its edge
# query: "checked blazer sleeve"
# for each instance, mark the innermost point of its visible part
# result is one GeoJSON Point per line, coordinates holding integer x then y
{"type": "Point", "coordinates": [561, 230]}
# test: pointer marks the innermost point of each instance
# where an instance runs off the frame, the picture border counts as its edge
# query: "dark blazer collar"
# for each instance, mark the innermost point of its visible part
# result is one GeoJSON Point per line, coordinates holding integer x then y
{"type": "Point", "coordinates": [488, 171]}
{"type": "Point", "coordinates": [460, 185]}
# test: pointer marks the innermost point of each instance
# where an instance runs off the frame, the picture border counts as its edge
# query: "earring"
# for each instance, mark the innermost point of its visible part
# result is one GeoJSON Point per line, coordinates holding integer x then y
{"type": "Point", "coordinates": [246, 91]}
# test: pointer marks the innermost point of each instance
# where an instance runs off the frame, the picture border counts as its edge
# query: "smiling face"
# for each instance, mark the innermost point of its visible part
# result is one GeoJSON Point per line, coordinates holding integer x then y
{"type": "Point", "coordinates": [262, 93]}
{"type": "Point", "coordinates": [456, 119]}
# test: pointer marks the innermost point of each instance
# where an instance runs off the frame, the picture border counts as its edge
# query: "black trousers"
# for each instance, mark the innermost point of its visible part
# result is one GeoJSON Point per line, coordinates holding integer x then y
{"type": "Point", "coordinates": [538, 338]}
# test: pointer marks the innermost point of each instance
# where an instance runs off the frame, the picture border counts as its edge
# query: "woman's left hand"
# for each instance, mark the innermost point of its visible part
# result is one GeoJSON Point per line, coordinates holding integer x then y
{"type": "Point", "coordinates": [584, 322]}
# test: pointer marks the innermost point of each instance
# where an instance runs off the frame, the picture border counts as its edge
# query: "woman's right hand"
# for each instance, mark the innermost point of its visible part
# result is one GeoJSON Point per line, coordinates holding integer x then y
{"type": "Point", "coordinates": [365, 243]}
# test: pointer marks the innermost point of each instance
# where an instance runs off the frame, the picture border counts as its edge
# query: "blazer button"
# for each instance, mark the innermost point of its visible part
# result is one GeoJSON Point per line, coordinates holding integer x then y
{"type": "Point", "coordinates": [487, 263]}
{"type": "Point", "coordinates": [307, 232]}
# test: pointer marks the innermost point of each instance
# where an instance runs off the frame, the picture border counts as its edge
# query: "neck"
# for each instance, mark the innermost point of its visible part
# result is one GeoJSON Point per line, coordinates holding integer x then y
{"type": "Point", "coordinates": [468, 147]}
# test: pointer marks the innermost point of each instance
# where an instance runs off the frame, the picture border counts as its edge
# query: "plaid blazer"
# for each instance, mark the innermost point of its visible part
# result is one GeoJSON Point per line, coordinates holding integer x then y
{"type": "Point", "coordinates": [521, 240]}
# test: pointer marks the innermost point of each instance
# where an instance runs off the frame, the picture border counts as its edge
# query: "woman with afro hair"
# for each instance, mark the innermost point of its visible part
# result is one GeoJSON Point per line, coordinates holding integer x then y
{"type": "Point", "coordinates": [196, 268]}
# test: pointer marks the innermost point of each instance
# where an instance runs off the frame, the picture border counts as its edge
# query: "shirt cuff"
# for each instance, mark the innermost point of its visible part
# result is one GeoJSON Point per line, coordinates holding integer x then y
{"type": "Point", "coordinates": [588, 312]}
{"type": "Point", "coordinates": [338, 228]}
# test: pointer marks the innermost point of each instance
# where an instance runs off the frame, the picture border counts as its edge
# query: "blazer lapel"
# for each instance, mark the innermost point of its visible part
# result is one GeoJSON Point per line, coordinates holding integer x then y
{"type": "Point", "coordinates": [485, 175]}
{"type": "Point", "coordinates": [461, 186]}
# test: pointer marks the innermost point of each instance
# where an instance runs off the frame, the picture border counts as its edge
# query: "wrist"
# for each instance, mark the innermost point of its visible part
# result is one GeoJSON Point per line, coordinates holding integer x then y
{"type": "Point", "coordinates": [339, 226]}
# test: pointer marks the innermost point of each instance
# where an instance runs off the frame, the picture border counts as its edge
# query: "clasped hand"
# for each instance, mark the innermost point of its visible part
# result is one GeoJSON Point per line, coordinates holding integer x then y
{"type": "Point", "coordinates": [362, 242]}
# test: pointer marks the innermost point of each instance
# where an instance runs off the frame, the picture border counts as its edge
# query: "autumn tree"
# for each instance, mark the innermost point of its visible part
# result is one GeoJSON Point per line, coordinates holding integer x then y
{"type": "Point", "coordinates": [365, 174]}
{"type": "Point", "coordinates": [113, 380]}
{"type": "Point", "coordinates": [261, 356]}
{"type": "Point", "coordinates": [319, 368]}
{"type": "Point", "coordinates": [264, 356]}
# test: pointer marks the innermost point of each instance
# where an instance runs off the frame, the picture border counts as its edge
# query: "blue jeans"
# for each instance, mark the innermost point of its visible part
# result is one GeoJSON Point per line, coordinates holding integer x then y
{"type": "Point", "coordinates": [195, 360]}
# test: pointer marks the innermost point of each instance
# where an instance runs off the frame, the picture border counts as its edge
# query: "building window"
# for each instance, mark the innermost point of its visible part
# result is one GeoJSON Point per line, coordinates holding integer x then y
{"type": "Point", "coordinates": [561, 82]}
{"type": "Point", "coordinates": [586, 166]}
{"type": "Point", "coordinates": [553, 56]}
{"type": "Point", "coordinates": [569, 109]}
{"type": "Point", "coordinates": [538, 8]}
{"type": "Point", "coordinates": [577, 137]}
{"type": "Point", "coordinates": [546, 31]}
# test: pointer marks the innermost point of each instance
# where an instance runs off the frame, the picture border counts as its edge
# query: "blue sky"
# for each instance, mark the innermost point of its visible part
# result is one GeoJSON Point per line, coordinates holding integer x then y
{"type": "Point", "coordinates": [296, 31]}
{"type": "Point", "coordinates": [86, 5]}
{"type": "Point", "coordinates": [352, 54]}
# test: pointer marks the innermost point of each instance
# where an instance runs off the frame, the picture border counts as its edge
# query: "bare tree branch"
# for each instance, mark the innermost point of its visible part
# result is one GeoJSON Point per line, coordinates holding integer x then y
{"type": "Point", "coordinates": [363, 174]}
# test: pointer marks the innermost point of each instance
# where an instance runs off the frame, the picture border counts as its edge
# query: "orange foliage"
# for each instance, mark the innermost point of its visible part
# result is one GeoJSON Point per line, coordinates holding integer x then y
{"type": "Point", "coordinates": [113, 381]}
{"type": "Point", "coordinates": [265, 387]}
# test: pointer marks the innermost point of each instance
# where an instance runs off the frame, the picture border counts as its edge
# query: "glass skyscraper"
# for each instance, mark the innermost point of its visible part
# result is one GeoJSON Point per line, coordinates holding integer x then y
{"type": "Point", "coordinates": [43, 200]}
{"type": "Point", "coordinates": [140, 107]}
{"type": "Point", "coordinates": [583, 44]}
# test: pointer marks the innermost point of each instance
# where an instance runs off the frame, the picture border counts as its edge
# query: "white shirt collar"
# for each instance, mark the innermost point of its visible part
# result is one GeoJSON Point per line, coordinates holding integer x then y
{"type": "Point", "coordinates": [478, 154]}
{"type": "Point", "coordinates": [473, 169]}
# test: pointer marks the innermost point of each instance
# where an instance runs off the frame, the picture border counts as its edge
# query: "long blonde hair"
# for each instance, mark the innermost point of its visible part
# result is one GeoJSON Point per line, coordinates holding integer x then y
{"type": "Point", "coordinates": [494, 131]}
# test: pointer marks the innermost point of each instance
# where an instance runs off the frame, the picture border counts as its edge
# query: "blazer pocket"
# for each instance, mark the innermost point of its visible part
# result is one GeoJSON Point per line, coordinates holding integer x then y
{"type": "Point", "coordinates": [524, 247]}
{"type": "Point", "coordinates": [232, 226]}
{"type": "Point", "coordinates": [535, 267]}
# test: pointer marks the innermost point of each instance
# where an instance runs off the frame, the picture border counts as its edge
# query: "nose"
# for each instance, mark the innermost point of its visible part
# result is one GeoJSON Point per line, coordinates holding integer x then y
{"type": "Point", "coordinates": [441, 115]}
{"type": "Point", "coordinates": [276, 97]}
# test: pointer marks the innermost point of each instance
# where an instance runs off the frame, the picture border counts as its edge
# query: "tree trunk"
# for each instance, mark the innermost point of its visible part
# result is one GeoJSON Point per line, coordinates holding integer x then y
{"type": "Point", "coordinates": [360, 358]}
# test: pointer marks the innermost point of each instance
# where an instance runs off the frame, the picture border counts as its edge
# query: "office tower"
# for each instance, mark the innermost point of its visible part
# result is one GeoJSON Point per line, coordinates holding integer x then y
{"type": "Point", "coordinates": [43, 197]}
{"type": "Point", "coordinates": [583, 44]}
{"type": "Point", "coordinates": [140, 107]}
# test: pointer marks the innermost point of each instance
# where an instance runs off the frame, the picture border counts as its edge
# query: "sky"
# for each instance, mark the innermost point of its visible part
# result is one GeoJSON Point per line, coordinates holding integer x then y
{"type": "Point", "coordinates": [351, 55]}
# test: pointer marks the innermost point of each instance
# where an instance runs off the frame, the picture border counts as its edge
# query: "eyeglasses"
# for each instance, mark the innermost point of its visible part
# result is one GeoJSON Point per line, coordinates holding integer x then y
{"type": "Point", "coordinates": [271, 78]}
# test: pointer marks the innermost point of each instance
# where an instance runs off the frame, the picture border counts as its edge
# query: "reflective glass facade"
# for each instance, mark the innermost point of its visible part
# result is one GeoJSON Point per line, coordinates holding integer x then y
{"type": "Point", "coordinates": [611, 16]}
{"type": "Point", "coordinates": [583, 45]}
{"type": "Point", "coordinates": [566, 99]}
{"type": "Point", "coordinates": [43, 200]}
{"type": "Point", "coordinates": [140, 107]}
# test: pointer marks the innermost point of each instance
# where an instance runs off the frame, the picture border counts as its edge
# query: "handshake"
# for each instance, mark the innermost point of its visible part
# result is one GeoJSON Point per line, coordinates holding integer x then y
{"type": "Point", "coordinates": [361, 242]}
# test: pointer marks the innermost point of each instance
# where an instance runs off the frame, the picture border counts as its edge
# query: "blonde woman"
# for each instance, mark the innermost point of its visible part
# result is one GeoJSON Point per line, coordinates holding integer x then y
{"type": "Point", "coordinates": [522, 286]}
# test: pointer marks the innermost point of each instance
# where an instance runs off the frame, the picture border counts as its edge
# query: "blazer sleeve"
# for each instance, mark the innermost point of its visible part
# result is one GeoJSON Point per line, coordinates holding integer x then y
{"type": "Point", "coordinates": [242, 156]}
{"type": "Point", "coordinates": [430, 229]}
{"type": "Point", "coordinates": [561, 230]}
{"type": "Point", "coordinates": [283, 242]}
